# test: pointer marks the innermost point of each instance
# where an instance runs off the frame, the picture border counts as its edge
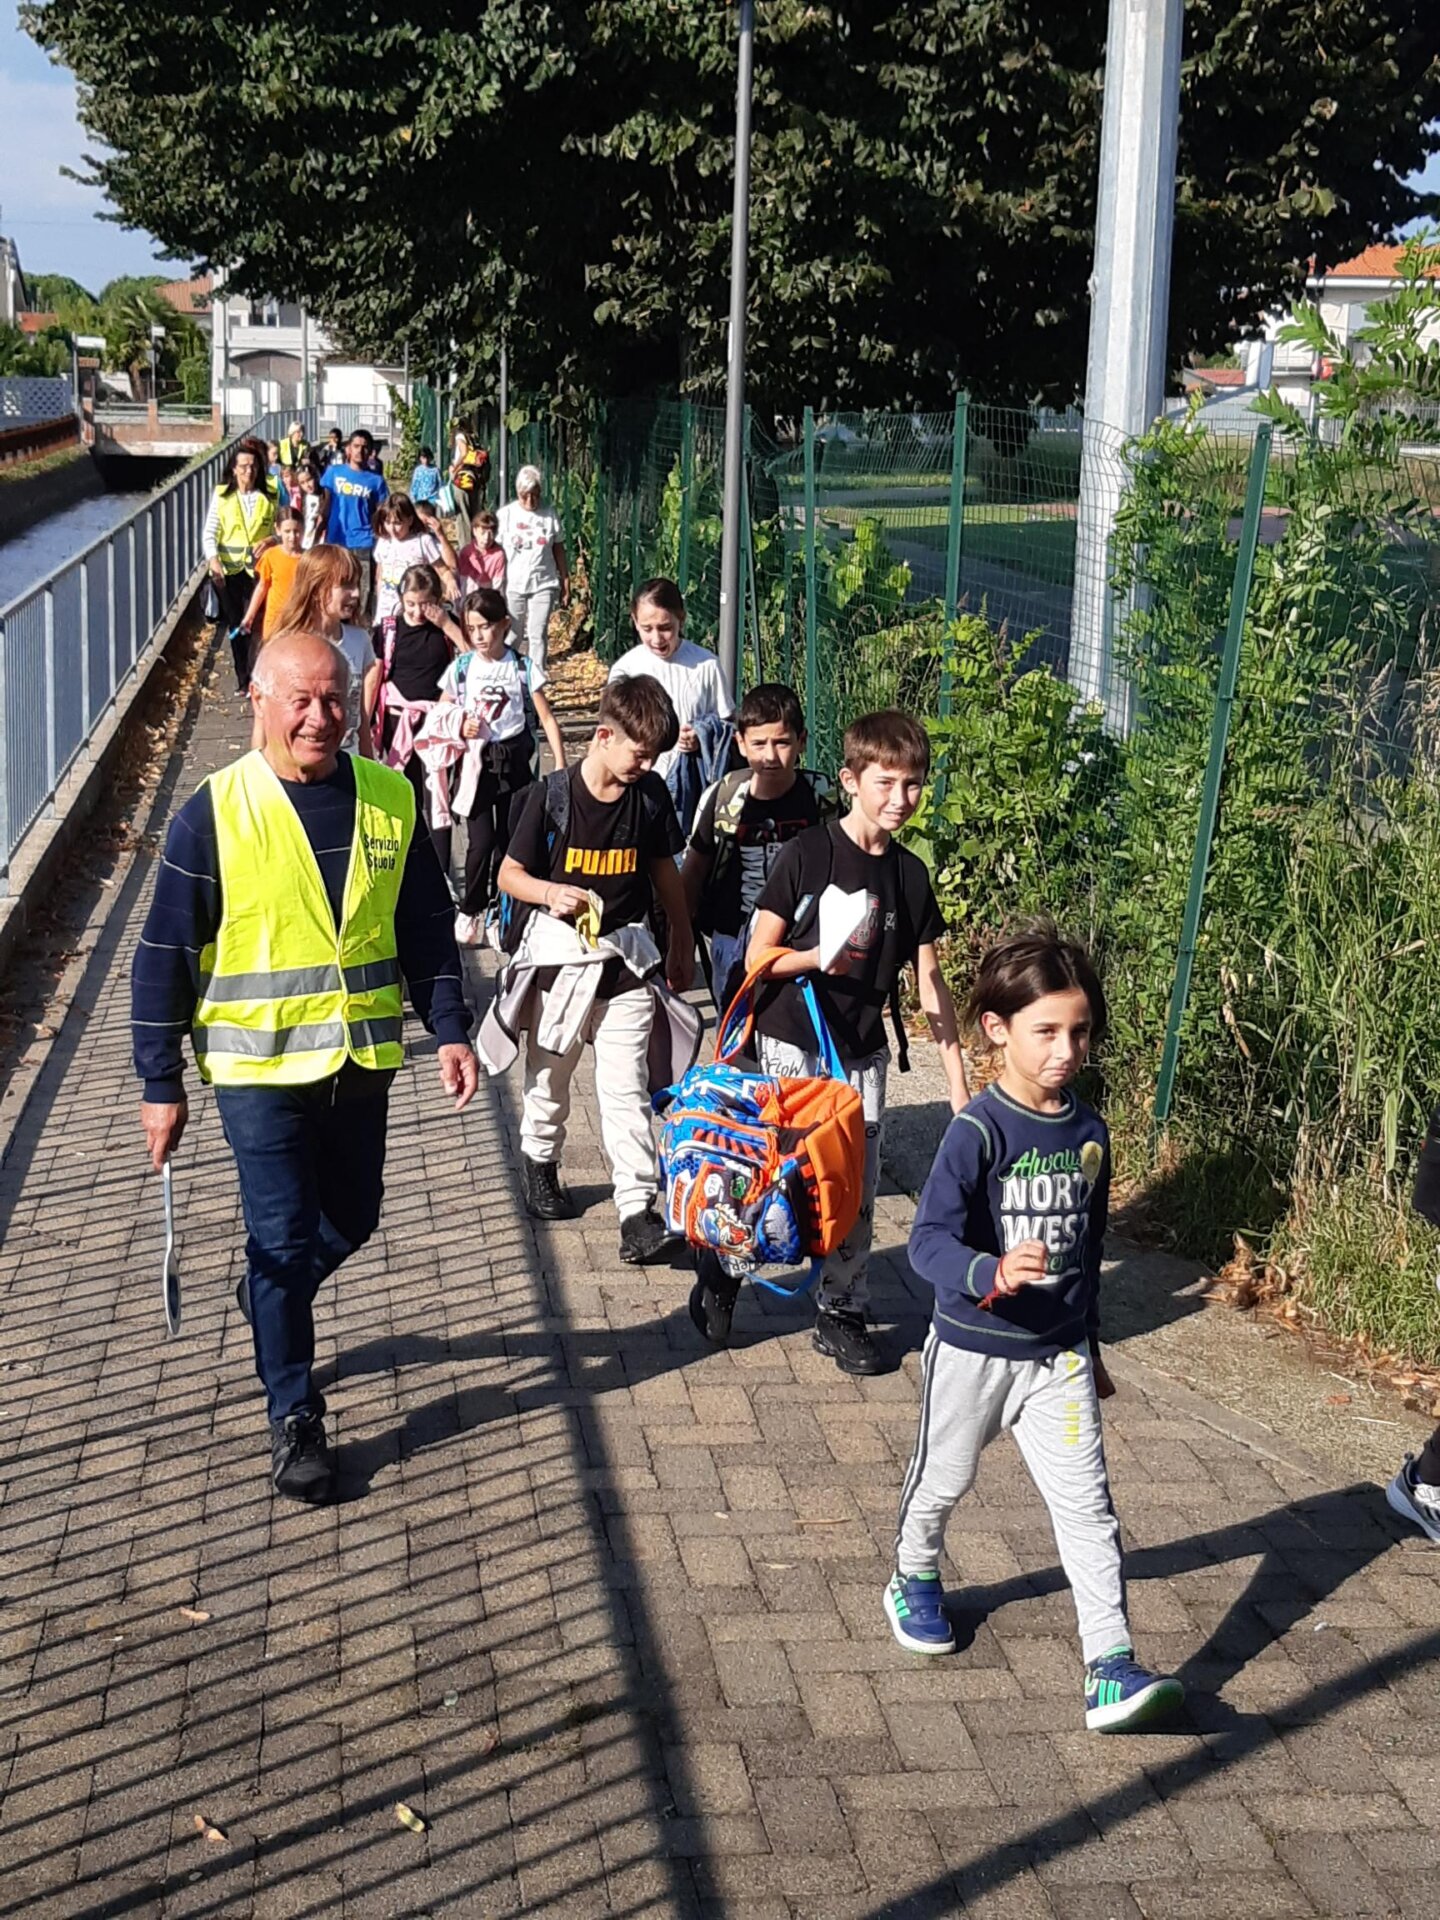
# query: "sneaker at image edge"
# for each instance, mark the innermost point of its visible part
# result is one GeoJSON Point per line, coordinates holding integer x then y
{"type": "Point", "coordinates": [915, 1607]}
{"type": "Point", "coordinates": [301, 1464]}
{"type": "Point", "coordinates": [642, 1236]}
{"type": "Point", "coordinates": [1121, 1695]}
{"type": "Point", "coordinates": [846, 1339]}
{"type": "Point", "coordinates": [1414, 1501]}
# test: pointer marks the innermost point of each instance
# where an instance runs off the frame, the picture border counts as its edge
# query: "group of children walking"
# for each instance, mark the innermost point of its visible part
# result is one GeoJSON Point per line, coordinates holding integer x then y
{"type": "Point", "coordinates": [596, 882]}
{"type": "Point", "coordinates": [1011, 1225]}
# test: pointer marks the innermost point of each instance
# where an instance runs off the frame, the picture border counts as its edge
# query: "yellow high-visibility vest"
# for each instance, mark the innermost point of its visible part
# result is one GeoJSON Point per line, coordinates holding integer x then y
{"type": "Point", "coordinates": [286, 997]}
{"type": "Point", "coordinates": [236, 537]}
{"type": "Point", "coordinates": [292, 452]}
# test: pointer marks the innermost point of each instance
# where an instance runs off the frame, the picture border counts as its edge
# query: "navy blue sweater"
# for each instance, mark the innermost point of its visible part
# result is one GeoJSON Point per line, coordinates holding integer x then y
{"type": "Point", "coordinates": [1005, 1173]}
{"type": "Point", "coordinates": [184, 917]}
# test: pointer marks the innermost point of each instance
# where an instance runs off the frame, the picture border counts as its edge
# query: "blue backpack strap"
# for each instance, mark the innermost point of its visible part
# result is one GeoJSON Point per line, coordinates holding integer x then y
{"type": "Point", "coordinates": [825, 1045]}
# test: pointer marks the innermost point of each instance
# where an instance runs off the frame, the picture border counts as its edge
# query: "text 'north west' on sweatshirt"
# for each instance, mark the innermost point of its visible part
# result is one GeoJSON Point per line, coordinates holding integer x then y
{"type": "Point", "coordinates": [1005, 1174]}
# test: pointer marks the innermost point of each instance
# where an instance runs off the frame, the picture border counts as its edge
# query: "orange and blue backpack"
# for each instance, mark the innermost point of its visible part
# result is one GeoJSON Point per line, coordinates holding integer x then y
{"type": "Point", "coordinates": [763, 1168]}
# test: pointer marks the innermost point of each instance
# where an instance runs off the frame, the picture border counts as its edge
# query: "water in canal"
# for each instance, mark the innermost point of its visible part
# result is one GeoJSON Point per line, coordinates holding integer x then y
{"type": "Point", "coordinates": [29, 557]}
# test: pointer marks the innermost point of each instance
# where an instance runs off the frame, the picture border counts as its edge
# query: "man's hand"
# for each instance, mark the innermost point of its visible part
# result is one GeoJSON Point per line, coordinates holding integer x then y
{"type": "Point", "coordinates": [164, 1122]}
{"type": "Point", "coordinates": [1104, 1385]}
{"type": "Point", "coordinates": [689, 741]}
{"type": "Point", "coordinates": [1021, 1267]}
{"type": "Point", "coordinates": [459, 1073]}
{"type": "Point", "coordinates": [217, 571]}
{"type": "Point", "coordinates": [680, 964]}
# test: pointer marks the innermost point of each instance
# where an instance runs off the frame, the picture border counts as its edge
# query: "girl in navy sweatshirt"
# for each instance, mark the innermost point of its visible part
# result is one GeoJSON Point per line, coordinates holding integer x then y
{"type": "Point", "coordinates": [1009, 1232]}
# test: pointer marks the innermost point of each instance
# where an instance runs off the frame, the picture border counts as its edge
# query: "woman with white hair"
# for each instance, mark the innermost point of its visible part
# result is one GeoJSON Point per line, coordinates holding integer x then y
{"type": "Point", "coordinates": [536, 569]}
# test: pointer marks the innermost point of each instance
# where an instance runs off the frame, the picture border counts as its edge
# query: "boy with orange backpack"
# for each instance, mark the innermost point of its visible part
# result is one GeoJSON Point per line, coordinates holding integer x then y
{"type": "Point", "coordinates": [894, 923]}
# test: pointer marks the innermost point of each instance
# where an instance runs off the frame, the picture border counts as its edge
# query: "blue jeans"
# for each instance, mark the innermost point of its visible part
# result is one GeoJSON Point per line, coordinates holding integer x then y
{"type": "Point", "coordinates": [310, 1161]}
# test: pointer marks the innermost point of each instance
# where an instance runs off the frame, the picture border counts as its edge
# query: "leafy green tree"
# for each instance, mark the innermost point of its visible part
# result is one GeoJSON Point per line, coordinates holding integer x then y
{"type": "Point", "coordinates": [923, 204]}
{"type": "Point", "coordinates": [127, 318]}
{"type": "Point", "coordinates": [46, 352]}
{"type": "Point", "coordinates": [50, 292]}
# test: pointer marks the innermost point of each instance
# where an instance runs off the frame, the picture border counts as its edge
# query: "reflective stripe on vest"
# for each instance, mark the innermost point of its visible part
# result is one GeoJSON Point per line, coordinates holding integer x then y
{"type": "Point", "coordinates": [286, 997]}
{"type": "Point", "coordinates": [236, 537]}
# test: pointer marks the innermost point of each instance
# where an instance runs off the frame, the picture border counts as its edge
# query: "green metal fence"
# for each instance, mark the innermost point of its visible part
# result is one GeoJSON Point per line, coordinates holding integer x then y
{"type": "Point", "coordinates": [1157, 677]}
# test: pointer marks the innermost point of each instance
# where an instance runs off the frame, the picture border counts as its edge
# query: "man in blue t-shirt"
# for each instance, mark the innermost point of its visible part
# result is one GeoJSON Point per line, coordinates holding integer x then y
{"type": "Point", "coordinates": [355, 492]}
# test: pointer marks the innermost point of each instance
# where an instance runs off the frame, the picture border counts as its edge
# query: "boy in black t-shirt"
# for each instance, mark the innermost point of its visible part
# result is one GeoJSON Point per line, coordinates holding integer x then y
{"type": "Point", "coordinates": [886, 760]}
{"type": "Point", "coordinates": [619, 842]}
{"type": "Point", "coordinates": [742, 823]}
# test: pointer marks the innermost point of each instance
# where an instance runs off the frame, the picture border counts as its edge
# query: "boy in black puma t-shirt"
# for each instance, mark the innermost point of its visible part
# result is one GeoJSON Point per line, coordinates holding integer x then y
{"type": "Point", "coordinates": [619, 842]}
{"type": "Point", "coordinates": [886, 761]}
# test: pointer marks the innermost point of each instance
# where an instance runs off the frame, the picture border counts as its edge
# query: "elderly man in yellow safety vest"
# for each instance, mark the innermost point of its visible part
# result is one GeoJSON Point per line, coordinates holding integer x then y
{"type": "Point", "coordinates": [293, 898]}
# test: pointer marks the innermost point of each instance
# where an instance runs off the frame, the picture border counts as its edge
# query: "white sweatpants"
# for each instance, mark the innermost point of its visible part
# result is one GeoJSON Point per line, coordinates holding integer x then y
{"type": "Point", "coordinates": [1051, 1408]}
{"type": "Point", "coordinates": [530, 622]}
{"type": "Point", "coordinates": [619, 1031]}
{"type": "Point", "coordinates": [844, 1279]}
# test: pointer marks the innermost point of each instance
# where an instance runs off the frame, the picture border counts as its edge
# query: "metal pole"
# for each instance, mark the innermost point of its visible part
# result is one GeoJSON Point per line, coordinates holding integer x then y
{"type": "Point", "coordinates": [504, 466]}
{"type": "Point", "coordinates": [1214, 767]}
{"type": "Point", "coordinates": [304, 363]}
{"type": "Point", "coordinates": [687, 488]}
{"type": "Point", "coordinates": [728, 637]}
{"type": "Point", "coordinates": [811, 611]}
{"type": "Point", "coordinates": [1129, 310]}
{"type": "Point", "coordinates": [407, 374]}
{"type": "Point", "coordinates": [959, 435]}
{"type": "Point", "coordinates": [225, 360]}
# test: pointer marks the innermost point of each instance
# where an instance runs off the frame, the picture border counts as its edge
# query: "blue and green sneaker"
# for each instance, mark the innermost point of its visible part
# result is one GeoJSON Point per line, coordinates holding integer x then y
{"type": "Point", "coordinates": [915, 1608]}
{"type": "Point", "coordinates": [1121, 1695]}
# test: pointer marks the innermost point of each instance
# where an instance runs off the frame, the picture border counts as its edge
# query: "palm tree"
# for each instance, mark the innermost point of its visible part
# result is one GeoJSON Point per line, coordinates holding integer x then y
{"type": "Point", "coordinates": [126, 320]}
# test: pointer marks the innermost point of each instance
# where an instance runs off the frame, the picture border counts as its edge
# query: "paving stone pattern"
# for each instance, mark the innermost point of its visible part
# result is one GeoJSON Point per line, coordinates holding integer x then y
{"type": "Point", "coordinates": [603, 1606]}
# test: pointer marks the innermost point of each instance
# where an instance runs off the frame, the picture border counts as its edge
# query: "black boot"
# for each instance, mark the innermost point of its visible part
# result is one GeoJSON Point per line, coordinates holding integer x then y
{"type": "Point", "coordinates": [540, 1188]}
{"type": "Point", "coordinates": [642, 1236]}
{"type": "Point", "coordinates": [713, 1297]}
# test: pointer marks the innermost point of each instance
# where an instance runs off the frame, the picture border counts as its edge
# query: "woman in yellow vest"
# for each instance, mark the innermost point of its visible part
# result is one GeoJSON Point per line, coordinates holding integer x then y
{"type": "Point", "coordinates": [241, 520]}
{"type": "Point", "coordinates": [293, 899]}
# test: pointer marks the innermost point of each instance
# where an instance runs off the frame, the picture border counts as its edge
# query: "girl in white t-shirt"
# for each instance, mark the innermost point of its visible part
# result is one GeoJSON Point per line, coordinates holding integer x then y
{"type": "Point", "coordinates": [503, 696]}
{"type": "Point", "coordinates": [689, 674]}
{"type": "Point", "coordinates": [536, 569]}
{"type": "Point", "coordinates": [411, 537]}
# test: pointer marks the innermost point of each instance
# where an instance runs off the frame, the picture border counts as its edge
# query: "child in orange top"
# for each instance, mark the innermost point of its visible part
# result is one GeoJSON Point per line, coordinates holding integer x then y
{"type": "Point", "coordinates": [275, 575]}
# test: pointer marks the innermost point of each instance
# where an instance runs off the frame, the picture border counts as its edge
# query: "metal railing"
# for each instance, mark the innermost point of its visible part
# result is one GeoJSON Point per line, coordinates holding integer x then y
{"type": "Point", "coordinates": [70, 645]}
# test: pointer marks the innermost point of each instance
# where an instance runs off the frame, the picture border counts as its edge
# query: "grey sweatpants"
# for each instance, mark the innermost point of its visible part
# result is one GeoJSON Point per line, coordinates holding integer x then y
{"type": "Point", "coordinates": [1051, 1408]}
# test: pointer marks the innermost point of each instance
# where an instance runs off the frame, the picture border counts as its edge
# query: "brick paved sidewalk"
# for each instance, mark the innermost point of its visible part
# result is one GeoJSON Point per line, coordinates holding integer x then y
{"type": "Point", "coordinates": [604, 1607]}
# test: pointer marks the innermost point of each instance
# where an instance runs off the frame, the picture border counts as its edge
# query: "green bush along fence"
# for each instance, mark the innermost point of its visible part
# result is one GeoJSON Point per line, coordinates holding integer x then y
{"type": "Point", "coordinates": [1182, 694]}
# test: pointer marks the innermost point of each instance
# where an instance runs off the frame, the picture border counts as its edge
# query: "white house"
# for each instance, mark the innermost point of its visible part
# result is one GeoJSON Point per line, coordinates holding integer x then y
{"type": "Point", "coordinates": [14, 300]}
{"type": "Point", "coordinates": [1344, 295]}
{"type": "Point", "coordinates": [268, 356]}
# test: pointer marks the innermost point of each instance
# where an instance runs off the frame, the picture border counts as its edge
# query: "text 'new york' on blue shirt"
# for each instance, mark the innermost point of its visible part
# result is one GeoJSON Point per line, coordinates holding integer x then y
{"type": "Point", "coordinates": [1005, 1173]}
{"type": "Point", "coordinates": [354, 496]}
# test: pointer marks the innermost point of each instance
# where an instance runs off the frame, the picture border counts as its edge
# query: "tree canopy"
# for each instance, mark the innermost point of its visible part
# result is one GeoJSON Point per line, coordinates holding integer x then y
{"type": "Point", "coordinates": [50, 292]}
{"type": "Point", "coordinates": [924, 174]}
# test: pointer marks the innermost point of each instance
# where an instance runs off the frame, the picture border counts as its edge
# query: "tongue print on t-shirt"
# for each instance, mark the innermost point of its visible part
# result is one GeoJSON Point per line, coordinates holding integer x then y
{"type": "Point", "coordinates": [1047, 1197]}
{"type": "Point", "coordinates": [489, 699]}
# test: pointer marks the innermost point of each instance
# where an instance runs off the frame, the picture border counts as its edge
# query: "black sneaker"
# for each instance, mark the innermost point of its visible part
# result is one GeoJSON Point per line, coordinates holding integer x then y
{"type": "Point", "coordinates": [302, 1466]}
{"type": "Point", "coordinates": [545, 1198]}
{"type": "Point", "coordinates": [846, 1338]}
{"type": "Point", "coordinates": [712, 1298]}
{"type": "Point", "coordinates": [242, 1297]}
{"type": "Point", "coordinates": [642, 1235]}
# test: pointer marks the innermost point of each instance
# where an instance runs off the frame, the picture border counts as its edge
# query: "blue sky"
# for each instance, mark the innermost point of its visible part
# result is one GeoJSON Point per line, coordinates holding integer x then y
{"type": "Point", "coordinates": [57, 224]}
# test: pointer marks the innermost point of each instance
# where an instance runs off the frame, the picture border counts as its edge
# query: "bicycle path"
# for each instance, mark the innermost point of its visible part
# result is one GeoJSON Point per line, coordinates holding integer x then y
{"type": "Point", "coordinates": [601, 1606]}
